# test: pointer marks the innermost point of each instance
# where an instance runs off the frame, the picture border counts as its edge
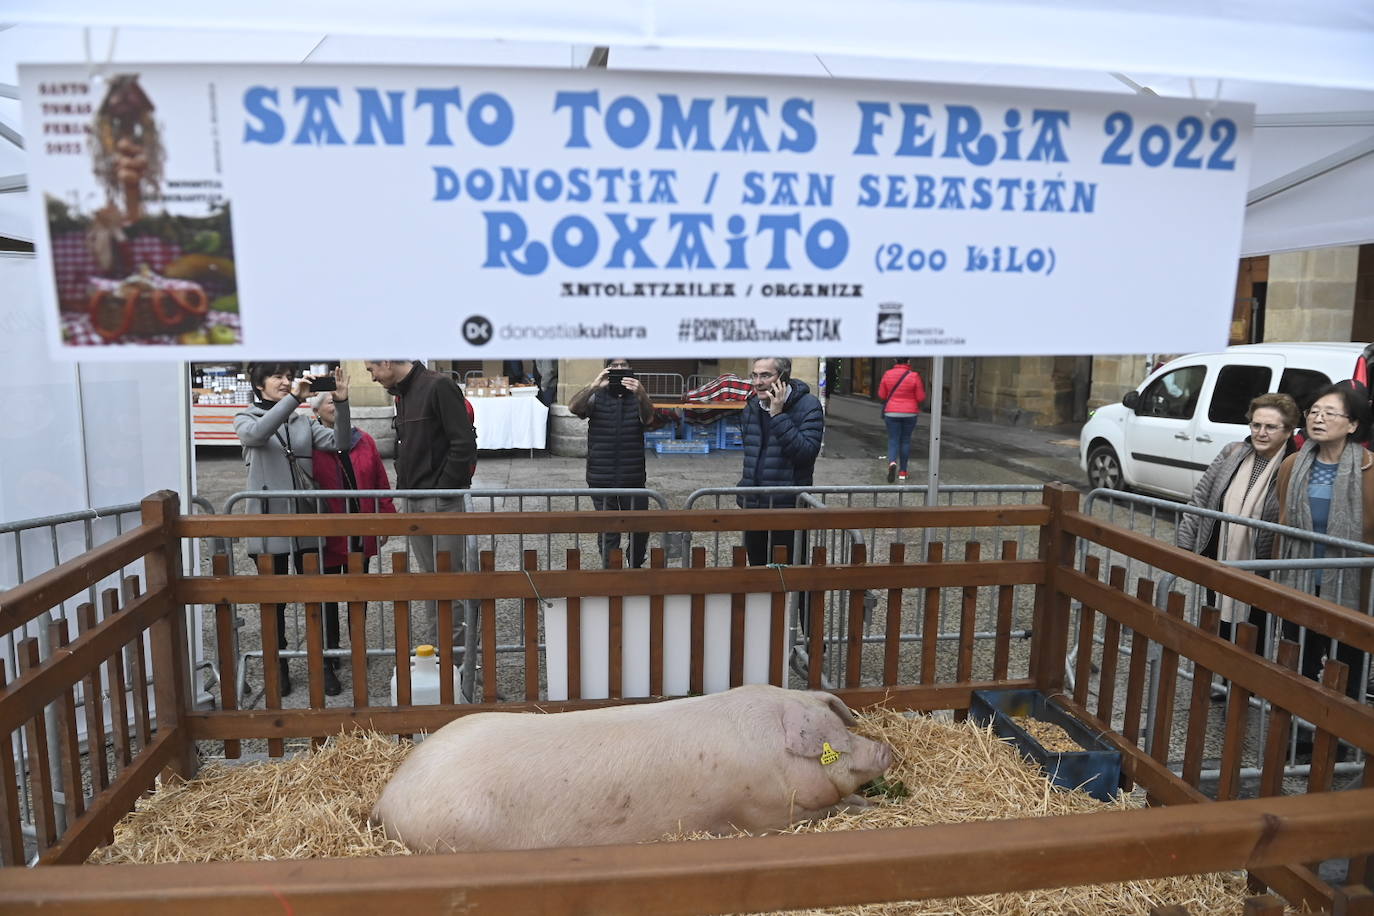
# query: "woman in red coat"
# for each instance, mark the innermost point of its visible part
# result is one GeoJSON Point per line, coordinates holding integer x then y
{"type": "Point", "coordinates": [357, 468]}
{"type": "Point", "coordinates": [902, 392]}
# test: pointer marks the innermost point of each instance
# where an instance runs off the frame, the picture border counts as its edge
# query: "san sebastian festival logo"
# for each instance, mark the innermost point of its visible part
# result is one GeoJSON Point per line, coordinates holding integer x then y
{"type": "Point", "coordinates": [889, 322]}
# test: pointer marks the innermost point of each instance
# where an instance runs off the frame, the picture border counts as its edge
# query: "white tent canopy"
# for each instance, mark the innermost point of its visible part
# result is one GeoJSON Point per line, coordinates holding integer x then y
{"type": "Point", "coordinates": [1307, 67]}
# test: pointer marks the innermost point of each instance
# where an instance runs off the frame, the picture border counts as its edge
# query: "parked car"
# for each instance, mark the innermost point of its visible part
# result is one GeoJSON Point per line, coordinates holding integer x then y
{"type": "Point", "coordinates": [1163, 435]}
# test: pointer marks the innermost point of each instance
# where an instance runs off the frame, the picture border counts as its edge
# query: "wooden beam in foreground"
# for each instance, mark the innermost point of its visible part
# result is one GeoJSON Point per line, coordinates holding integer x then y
{"type": "Point", "coordinates": [738, 875]}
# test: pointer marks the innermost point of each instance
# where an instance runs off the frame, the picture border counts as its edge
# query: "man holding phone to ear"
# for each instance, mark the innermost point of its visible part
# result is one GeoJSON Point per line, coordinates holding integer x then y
{"type": "Point", "coordinates": [617, 408]}
{"type": "Point", "coordinates": [782, 422]}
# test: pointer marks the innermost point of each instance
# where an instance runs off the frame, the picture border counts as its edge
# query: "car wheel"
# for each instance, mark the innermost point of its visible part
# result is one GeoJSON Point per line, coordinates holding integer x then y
{"type": "Point", "coordinates": [1104, 468]}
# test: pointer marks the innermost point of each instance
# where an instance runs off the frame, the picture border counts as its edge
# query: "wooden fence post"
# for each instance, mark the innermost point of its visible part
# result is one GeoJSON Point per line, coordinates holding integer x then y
{"type": "Point", "coordinates": [171, 668]}
{"type": "Point", "coordinates": [1049, 649]}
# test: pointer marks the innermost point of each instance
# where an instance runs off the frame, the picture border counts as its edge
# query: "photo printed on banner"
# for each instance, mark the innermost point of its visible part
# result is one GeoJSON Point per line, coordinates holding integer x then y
{"type": "Point", "coordinates": [141, 241]}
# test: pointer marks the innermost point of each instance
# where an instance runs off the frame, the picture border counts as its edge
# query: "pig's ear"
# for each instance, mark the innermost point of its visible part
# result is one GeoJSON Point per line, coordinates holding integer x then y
{"type": "Point", "coordinates": [839, 707]}
{"type": "Point", "coordinates": [808, 727]}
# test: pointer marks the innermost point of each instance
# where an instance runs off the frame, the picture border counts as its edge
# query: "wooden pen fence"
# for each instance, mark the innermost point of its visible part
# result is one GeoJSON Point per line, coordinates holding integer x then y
{"type": "Point", "coordinates": [112, 738]}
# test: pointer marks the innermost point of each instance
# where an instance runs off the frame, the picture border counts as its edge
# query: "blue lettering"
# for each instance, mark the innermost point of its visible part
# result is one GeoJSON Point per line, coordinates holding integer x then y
{"type": "Point", "coordinates": [446, 183]}
{"type": "Point", "coordinates": [506, 233]}
{"type": "Point", "coordinates": [827, 257]}
{"type": "Point", "coordinates": [515, 181]}
{"type": "Point", "coordinates": [690, 249]}
{"type": "Point", "coordinates": [982, 193]}
{"type": "Point", "coordinates": [1049, 143]}
{"type": "Point", "coordinates": [784, 194]}
{"type": "Point", "coordinates": [913, 129]}
{"type": "Point", "coordinates": [796, 115]}
{"type": "Point", "coordinates": [820, 190]}
{"type": "Point", "coordinates": [581, 188]}
{"type": "Point", "coordinates": [896, 192]}
{"type": "Point", "coordinates": [779, 225]}
{"type": "Point", "coordinates": [387, 120]}
{"type": "Point", "coordinates": [869, 126]}
{"type": "Point", "coordinates": [696, 123]}
{"type": "Point", "coordinates": [480, 184]}
{"type": "Point", "coordinates": [1084, 196]}
{"type": "Point", "coordinates": [746, 134]}
{"type": "Point", "coordinates": [255, 104]}
{"type": "Point", "coordinates": [548, 184]}
{"type": "Point", "coordinates": [627, 134]}
{"type": "Point", "coordinates": [490, 119]}
{"type": "Point", "coordinates": [572, 254]}
{"type": "Point", "coordinates": [954, 193]}
{"type": "Point", "coordinates": [869, 191]}
{"type": "Point", "coordinates": [577, 104]}
{"type": "Point", "coordinates": [753, 188]}
{"type": "Point", "coordinates": [966, 137]}
{"type": "Point", "coordinates": [925, 192]}
{"type": "Point", "coordinates": [438, 100]}
{"type": "Point", "coordinates": [630, 241]}
{"type": "Point", "coordinates": [317, 125]}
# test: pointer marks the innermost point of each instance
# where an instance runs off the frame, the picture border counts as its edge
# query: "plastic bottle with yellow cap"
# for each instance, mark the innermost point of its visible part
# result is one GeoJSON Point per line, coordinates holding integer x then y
{"type": "Point", "coordinates": [424, 678]}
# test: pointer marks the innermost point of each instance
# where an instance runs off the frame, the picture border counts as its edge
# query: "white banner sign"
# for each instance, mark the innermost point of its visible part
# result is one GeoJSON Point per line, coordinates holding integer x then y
{"type": "Point", "coordinates": [265, 212]}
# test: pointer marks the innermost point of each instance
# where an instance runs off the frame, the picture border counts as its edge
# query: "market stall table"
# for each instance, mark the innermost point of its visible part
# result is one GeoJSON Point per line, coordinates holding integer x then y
{"type": "Point", "coordinates": [510, 422]}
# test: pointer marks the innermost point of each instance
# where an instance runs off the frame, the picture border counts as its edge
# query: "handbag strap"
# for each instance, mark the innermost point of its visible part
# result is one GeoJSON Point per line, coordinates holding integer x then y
{"type": "Point", "coordinates": [893, 393]}
{"type": "Point", "coordinates": [298, 474]}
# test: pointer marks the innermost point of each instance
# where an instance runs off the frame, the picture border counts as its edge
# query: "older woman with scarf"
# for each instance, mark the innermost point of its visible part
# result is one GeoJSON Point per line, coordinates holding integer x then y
{"type": "Point", "coordinates": [1328, 488]}
{"type": "Point", "coordinates": [1241, 481]}
{"type": "Point", "coordinates": [357, 467]}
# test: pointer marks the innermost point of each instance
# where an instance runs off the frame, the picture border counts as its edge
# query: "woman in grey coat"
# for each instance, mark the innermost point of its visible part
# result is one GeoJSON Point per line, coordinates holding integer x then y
{"type": "Point", "coordinates": [1240, 481]}
{"type": "Point", "coordinates": [275, 437]}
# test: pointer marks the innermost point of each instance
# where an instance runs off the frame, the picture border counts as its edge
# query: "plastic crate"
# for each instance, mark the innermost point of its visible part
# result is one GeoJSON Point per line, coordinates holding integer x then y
{"type": "Point", "coordinates": [1096, 769]}
{"type": "Point", "coordinates": [694, 432]}
{"type": "Point", "coordinates": [683, 447]}
{"type": "Point", "coordinates": [729, 435]}
{"type": "Point", "coordinates": [662, 434]}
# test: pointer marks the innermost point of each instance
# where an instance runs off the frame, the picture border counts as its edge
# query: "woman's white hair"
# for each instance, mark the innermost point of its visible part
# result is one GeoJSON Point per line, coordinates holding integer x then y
{"type": "Point", "coordinates": [317, 401]}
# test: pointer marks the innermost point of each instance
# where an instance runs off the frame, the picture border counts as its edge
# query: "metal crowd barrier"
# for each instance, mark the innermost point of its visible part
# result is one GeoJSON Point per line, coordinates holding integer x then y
{"type": "Point", "coordinates": [29, 548]}
{"type": "Point", "coordinates": [840, 545]}
{"type": "Point", "coordinates": [662, 384]}
{"type": "Point", "coordinates": [1158, 518]}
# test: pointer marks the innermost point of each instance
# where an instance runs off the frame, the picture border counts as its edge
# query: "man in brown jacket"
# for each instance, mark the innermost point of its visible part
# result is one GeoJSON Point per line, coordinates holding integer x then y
{"type": "Point", "coordinates": [435, 448]}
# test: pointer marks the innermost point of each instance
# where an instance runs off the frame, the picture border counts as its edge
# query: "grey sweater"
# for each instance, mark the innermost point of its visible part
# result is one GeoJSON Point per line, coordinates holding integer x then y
{"type": "Point", "coordinates": [262, 433]}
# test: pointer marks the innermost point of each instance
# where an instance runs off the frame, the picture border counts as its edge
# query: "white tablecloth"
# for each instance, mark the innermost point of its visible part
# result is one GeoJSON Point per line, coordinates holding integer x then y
{"type": "Point", "coordinates": [510, 422]}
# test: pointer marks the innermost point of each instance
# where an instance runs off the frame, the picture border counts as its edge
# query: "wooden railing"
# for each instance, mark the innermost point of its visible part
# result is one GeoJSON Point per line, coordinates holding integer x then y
{"type": "Point", "coordinates": [1270, 836]}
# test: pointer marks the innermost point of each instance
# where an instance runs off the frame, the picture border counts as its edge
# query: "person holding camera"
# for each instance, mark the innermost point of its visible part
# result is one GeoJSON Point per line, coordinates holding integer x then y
{"type": "Point", "coordinates": [783, 423]}
{"type": "Point", "coordinates": [617, 409]}
{"type": "Point", "coordinates": [279, 444]}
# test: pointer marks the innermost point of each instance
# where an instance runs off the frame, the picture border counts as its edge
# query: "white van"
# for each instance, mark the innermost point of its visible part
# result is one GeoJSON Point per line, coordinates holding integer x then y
{"type": "Point", "coordinates": [1163, 435]}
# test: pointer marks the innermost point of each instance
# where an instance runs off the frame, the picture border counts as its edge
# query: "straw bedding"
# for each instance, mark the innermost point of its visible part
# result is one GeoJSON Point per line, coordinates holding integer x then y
{"type": "Point", "coordinates": [315, 804]}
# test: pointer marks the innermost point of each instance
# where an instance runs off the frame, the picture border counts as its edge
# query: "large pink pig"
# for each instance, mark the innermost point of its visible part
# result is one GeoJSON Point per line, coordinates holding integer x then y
{"type": "Point", "coordinates": [755, 758]}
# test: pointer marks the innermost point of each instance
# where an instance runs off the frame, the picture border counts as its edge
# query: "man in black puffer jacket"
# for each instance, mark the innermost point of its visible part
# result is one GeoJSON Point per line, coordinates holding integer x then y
{"type": "Point", "coordinates": [783, 422]}
{"type": "Point", "coordinates": [617, 415]}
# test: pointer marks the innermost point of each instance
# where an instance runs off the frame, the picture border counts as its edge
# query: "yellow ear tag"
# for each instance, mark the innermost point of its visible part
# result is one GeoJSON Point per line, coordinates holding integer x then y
{"type": "Point", "coordinates": [828, 754]}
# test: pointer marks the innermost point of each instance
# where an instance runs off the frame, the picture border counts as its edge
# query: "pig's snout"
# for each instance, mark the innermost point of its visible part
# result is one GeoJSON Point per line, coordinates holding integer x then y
{"type": "Point", "coordinates": [872, 758]}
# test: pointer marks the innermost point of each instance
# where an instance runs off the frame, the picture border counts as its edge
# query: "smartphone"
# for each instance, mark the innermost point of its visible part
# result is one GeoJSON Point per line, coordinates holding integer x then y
{"type": "Point", "coordinates": [616, 381]}
{"type": "Point", "coordinates": [322, 380]}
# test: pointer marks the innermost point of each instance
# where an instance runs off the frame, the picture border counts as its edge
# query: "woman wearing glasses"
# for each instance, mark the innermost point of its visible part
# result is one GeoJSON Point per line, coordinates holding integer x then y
{"type": "Point", "coordinates": [1328, 488]}
{"type": "Point", "coordinates": [1241, 481]}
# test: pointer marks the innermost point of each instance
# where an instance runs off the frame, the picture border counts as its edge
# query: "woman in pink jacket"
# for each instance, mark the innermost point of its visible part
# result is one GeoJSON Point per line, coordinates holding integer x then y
{"type": "Point", "coordinates": [359, 467]}
{"type": "Point", "coordinates": [902, 392]}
